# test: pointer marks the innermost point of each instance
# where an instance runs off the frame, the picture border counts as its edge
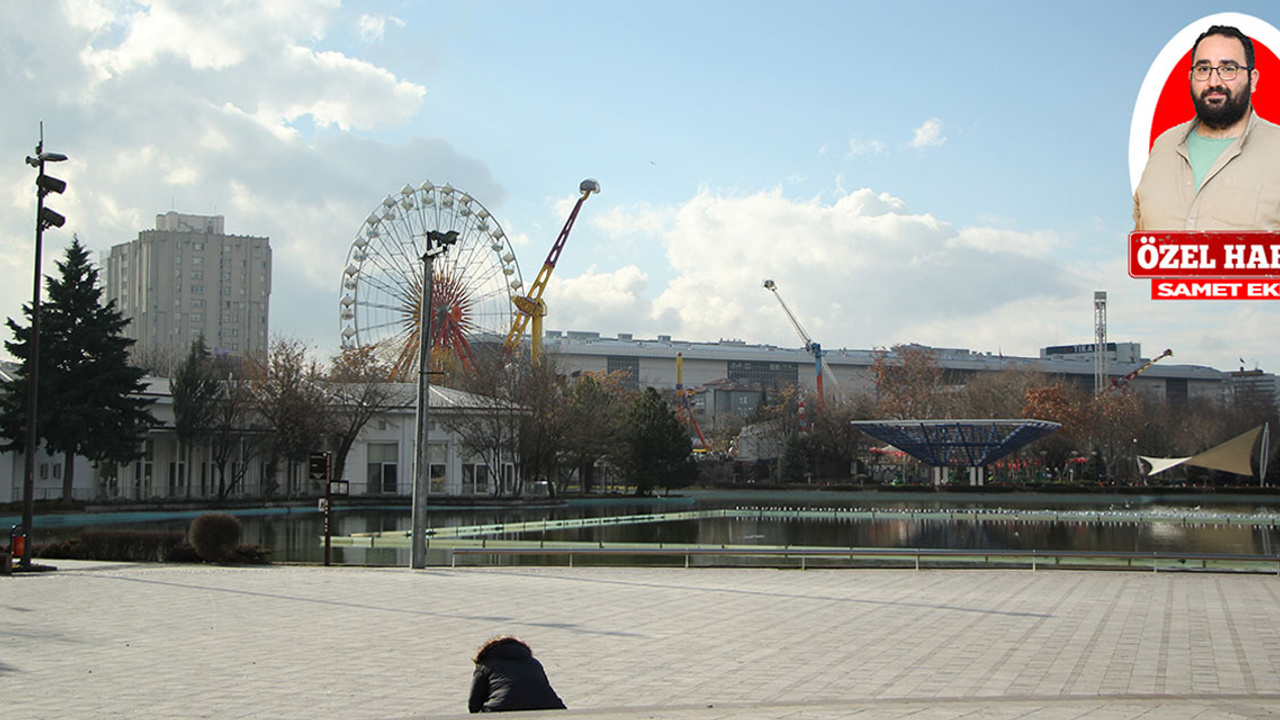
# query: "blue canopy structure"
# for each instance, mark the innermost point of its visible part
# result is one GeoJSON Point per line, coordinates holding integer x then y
{"type": "Point", "coordinates": [957, 443]}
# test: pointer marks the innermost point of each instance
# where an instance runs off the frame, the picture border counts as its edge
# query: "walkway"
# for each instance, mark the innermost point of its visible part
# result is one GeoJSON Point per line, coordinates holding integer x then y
{"type": "Point", "coordinates": [96, 640]}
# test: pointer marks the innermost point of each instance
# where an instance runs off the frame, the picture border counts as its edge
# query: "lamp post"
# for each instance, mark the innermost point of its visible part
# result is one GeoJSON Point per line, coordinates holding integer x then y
{"type": "Point", "coordinates": [45, 218]}
{"type": "Point", "coordinates": [437, 243]}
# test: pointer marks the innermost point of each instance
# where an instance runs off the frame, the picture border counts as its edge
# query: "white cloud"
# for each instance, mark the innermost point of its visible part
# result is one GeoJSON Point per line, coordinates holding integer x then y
{"type": "Point", "coordinates": [867, 271]}
{"type": "Point", "coordinates": [864, 147]}
{"type": "Point", "coordinates": [642, 219]}
{"type": "Point", "coordinates": [216, 108]}
{"type": "Point", "coordinates": [372, 28]}
{"type": "Point", "coordinates": [995, 240]}
{"type": "Point", "coordinates": [929, 134]}
{"type": "Point", "coordinates": [859, 272]}
{"type": "Point", "coordinates": [602, 299]}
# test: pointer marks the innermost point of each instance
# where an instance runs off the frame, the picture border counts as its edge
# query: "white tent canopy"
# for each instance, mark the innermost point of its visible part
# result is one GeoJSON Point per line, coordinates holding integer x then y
{"type": "Point", "coordinates": [1233, 456]}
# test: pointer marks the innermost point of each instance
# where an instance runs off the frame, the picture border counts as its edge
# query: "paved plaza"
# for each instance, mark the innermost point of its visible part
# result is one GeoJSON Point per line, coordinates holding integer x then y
{"type": "Point", "coordinates": [97, 640]}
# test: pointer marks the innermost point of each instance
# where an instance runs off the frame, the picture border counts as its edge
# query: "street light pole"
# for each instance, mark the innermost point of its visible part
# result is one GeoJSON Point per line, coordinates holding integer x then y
{"type": "Point", "coordinates": [44, 218]}
{"type": "Point", "coordinates": [437, 243]}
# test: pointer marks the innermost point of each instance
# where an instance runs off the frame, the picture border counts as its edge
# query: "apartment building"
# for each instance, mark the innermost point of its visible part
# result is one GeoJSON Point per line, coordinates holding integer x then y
{"type": "Point", "coordinates": [187, 278]}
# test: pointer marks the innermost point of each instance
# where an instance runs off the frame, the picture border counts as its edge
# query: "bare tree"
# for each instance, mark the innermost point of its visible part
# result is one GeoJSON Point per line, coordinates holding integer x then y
{"type": "Point", "coordinates": [489, 426]}
{"type": "Point", "coordinates": [357, 383]}
{"type": "Point", "coordinates": [289, 395]}
{"type": "Point", "coordinates": [910, 384]}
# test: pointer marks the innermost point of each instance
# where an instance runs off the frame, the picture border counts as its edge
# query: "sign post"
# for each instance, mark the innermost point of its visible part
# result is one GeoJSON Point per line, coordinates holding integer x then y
{"type": "Point", "coordinates": [320, 467]}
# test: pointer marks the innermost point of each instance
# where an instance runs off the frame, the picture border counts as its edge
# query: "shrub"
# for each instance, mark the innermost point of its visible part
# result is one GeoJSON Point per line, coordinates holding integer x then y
{"type": "Point", "coordinates": [115, 545]}
{"type": "Point", "coordinates": [184, 553]}
{"type": "Point", "coordinates": [251, 555]}
{"type": "Point", "coordinates": [215, 536]}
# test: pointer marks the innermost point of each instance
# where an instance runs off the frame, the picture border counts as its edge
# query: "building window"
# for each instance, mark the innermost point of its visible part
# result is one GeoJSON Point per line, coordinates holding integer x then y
{"type": "Point", "coordinates": [382, 467]}
{"type": "Point", "coordinates": [628, 365]}
{"type": "Point", "coordinates": [177, 478]}
{"type": "Point", "coordinates": [142, 472]}
{"type": "Point", "coordinates": [437, 453]}
{"type": "Point", "coordinates": [475, 479]}
{"type": "Point", "coordinates": [475, 475]}
{"type": "Point", "coordinates": [764, 374]}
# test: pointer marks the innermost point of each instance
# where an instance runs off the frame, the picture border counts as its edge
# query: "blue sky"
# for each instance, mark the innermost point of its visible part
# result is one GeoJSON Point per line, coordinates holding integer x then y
{"type": "Point", "coordinates": [953, 174]}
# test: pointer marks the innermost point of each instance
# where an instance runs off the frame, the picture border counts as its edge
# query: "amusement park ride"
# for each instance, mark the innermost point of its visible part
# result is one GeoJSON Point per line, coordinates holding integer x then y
{"type": "Point", "coordinates": [475, 287]}
{"type": "Point", "coordinates": [1121, 382]}
{"type": "Point", "coordinates": [820, 364]}
{"type": "Point", "coordinates": [530, 306]}
{"type": "Point", "coordinates": [684, 412]}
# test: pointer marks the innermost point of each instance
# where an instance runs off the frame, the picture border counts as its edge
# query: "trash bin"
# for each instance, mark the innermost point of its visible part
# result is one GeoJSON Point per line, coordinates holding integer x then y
{"type": "Point", "coordinates": [18, 541]}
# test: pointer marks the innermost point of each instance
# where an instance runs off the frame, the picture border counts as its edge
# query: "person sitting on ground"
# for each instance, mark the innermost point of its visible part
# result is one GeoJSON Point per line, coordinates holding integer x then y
{"type": "Point", "coordinates": [508, 677]}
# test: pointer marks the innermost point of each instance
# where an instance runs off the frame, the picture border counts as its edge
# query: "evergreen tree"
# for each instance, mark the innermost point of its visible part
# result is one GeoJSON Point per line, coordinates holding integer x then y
{"type": "Point", "coordinates": [195, 390]}
{"type": "Point", "coordinates": [794, 460]}
{"type": "Point", "coordinates": [657, 452]}
{"type": "Point", "coordinates": [89, 402]}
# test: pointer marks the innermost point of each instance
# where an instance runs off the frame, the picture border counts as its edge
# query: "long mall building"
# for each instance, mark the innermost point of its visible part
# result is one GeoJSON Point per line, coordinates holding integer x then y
{"type": "Point", "coordinates": [727, 375]}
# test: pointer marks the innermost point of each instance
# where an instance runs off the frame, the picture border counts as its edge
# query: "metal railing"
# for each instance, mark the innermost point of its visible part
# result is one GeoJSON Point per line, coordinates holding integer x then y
{"type": "Point", "coordinates": [915, 557]}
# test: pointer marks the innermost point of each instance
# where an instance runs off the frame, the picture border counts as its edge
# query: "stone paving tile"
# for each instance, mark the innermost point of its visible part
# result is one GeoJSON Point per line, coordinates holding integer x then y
{"type": "Point", "coordinates": [138, 641]}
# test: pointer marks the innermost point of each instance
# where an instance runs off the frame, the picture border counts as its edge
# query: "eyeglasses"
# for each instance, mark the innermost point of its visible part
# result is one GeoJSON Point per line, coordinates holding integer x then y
{"type": "Point", "coordinates": [1226, 72]}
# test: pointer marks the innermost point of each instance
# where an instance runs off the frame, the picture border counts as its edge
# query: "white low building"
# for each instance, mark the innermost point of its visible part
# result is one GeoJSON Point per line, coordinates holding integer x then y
{"type": "Point", "coordinates": [380, 463]}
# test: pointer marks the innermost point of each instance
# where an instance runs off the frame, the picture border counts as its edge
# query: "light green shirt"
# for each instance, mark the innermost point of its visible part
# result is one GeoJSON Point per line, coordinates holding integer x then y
{"type": "Point", "coordinates": [1203, 152]}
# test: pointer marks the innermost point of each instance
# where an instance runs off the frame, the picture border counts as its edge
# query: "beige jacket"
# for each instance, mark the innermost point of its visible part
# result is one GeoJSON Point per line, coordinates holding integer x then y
{"type": "Point", "coordinates": [1240, 192]}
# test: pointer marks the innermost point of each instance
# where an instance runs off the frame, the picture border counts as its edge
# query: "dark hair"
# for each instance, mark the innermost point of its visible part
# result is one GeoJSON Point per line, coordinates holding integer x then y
{"type": "Point", "coordinates": [494, 642]}
{"type": "Point", "coordinates": [1231, 32]}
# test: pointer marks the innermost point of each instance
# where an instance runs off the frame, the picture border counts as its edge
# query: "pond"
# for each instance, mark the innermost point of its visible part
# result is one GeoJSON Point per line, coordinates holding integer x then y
{"type": "Point", "coordinates": [1173, 524]}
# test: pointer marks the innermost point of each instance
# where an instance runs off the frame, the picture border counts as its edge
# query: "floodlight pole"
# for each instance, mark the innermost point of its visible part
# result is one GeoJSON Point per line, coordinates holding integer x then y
{"type": "Point", "coordinates": [33, 345]}
{"type": "Point", "coordinates": [436, 243]}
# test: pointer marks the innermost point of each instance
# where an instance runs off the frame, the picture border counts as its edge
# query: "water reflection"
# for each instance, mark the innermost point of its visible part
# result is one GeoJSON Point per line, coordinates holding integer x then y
{"type": "Point", "coordinates": [297, 535]}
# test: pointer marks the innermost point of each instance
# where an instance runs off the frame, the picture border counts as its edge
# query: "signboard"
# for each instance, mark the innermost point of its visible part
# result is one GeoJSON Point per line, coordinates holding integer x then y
{"type": "Point", "coordinates": [318, 466]}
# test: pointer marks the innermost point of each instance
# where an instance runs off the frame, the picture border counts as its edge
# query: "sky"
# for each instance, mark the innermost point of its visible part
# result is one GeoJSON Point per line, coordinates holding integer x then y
{"type": "Point", "coordinates": [953, 174]}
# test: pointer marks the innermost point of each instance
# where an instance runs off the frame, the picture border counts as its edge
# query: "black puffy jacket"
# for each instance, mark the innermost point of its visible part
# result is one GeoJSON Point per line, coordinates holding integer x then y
{"type": "Point", "coordinates": [508, 677]}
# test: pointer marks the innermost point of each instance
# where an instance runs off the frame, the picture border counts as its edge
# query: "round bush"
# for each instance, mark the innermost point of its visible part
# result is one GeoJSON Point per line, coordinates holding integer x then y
{"type": "Point", "coordinates": [215, 536]}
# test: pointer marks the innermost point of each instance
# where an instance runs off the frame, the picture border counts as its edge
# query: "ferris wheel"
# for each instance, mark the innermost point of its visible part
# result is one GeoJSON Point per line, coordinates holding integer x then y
{"type": "Point", "coordinates": [472, 283]}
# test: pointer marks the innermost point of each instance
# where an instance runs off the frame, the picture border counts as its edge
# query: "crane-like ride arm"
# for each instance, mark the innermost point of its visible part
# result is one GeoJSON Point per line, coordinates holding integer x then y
{"type": "Point", "coordinates": [772, 287]}
{"type": "Point", "coordinates": [809, 344]}
{"type": "Point", "coordinates": [1121, 382]}
{"type": "Point", "coordinates": [530, 306]}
